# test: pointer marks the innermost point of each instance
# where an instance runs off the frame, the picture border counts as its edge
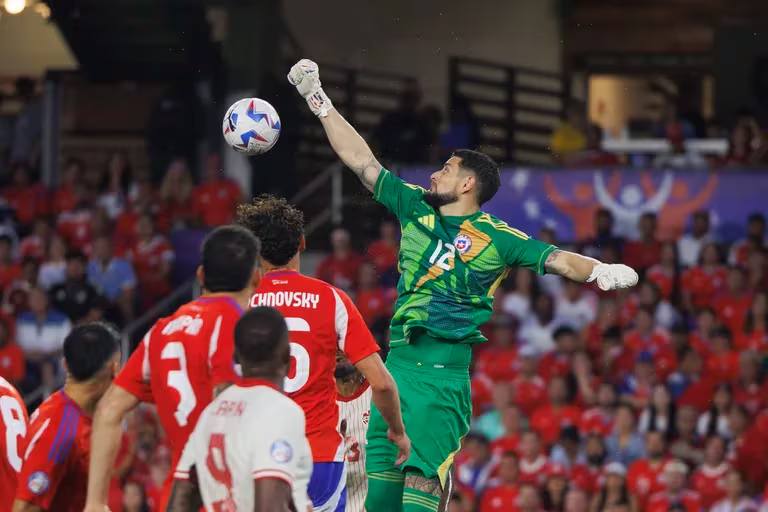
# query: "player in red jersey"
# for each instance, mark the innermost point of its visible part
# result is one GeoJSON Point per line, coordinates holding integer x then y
{"type": "Point", "coordinates": [322, 320]}
{"type": "Point", "coordinates": [54, 473]}
{"type": "Point", "coordinates": [13, 428]}
{"type": "Point", "coordinates": [183, 359]}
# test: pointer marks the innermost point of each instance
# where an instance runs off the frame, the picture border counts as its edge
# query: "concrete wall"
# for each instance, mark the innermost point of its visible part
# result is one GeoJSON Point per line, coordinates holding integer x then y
{"type": "Point", "coordinates": [417, 37]}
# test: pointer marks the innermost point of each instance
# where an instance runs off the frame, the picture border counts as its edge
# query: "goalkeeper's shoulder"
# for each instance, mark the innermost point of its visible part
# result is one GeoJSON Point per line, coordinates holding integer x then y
{"type": "Point", "coordinates": [499, 229]}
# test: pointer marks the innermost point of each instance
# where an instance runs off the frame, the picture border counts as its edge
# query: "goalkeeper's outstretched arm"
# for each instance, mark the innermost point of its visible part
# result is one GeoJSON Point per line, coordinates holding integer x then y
{"type": "Point", "coordinates": [344, 139]}
{"type": "Point", "coordinates": [587, 270]}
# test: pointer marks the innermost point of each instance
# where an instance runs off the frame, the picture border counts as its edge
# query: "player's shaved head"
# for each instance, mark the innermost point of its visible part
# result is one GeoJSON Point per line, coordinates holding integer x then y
{"type": "Point", "coordinates": [88, 348]}
{"type": "Point", "coordinates": [278, 225]}
{"type": "Point", "coordinates": [261, 340]}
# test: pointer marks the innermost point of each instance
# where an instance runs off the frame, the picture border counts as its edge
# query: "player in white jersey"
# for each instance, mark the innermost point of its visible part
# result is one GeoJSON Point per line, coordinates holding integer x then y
{"type": "Point", "coordinates": [249, 451]}
{"type": "Point", "coordinates": [354, 401]}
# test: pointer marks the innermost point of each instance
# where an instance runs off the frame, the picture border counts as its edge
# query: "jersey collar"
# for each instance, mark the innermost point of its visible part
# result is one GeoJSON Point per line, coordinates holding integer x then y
{"type": "Point", "coordinates": [222, 298]}
{"type": "Point", "coordinates": [280, 272]}
{"type": "Point", "coordinates": [249, 382]}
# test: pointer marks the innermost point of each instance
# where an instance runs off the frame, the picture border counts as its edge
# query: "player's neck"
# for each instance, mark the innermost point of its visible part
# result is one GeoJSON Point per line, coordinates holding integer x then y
{"type": "Point", "coordinates": [243, 297]}
{"type": "Point", "coordinates": [458, 209]}
{"type": "Point", "coordinates": [269, 376]}
{"type": "Point", "coordinates": [86, 395]}
{"type": "Point", "coordinates": [293, 265]}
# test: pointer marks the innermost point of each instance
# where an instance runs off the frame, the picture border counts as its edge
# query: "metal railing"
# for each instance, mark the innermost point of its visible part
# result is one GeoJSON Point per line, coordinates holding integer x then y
{"type": "Point", "coordinates": [331, 178]}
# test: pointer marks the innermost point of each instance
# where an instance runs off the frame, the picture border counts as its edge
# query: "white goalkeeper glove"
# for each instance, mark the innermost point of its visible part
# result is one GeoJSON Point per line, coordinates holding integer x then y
{"type": "Point", "coordinates": [613, 276]}
{"type": "Point", "coordinates": [305, 76]}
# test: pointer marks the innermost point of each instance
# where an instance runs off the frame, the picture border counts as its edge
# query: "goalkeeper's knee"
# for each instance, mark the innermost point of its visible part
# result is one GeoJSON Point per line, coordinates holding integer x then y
{"type": "Point", "coordinates": [385, 491]}
{"type": "Point", "coordinates": [421, 494]}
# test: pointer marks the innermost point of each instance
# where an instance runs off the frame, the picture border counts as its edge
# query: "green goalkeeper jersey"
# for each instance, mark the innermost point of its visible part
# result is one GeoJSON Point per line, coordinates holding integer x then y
{"type": "Point", "coordinates": [450, 266]}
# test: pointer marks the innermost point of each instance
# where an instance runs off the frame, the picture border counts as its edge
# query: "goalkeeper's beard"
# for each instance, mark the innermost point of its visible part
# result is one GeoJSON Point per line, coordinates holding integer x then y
{"type": "Point", "coordinates": [436, 200]}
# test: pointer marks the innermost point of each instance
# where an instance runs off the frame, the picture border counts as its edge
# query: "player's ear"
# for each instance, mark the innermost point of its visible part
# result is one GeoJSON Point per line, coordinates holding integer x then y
{"type": "Point", "coordinates": [302, 244]}
{"type": "Point", "coordinates": [200, 275]}
{"type": "Point", "coordinates": [256, 276]}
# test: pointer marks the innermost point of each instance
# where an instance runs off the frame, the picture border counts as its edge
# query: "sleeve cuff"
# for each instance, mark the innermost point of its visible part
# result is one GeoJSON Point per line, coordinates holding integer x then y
{"type": "Point", "coordinates": [541, 270]}
{"type": "Point", "coordinates": [273, 473]}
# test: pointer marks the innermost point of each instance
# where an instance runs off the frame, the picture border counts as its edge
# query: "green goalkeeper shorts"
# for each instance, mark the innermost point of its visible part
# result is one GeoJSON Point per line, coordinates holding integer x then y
{"type": "Point", "coordinates": [433, 381]}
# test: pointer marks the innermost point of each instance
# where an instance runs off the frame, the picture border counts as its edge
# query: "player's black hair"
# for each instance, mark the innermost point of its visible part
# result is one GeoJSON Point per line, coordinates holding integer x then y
{"type": "Point", "coordinates": [486, 172]}
{"type": "Point", "coordinates": [563, 331]}
{"type": "Point", "coordinates": [76, 254]}
{"type": "Point", "coordinates": [88, 347]}
{"type": "Point", "coordinates": [756, 217]}
{"type": "Point", "coordinates": [230, 254]}
{"type": "Point", "coordinates": [278, 225]}
{"type": "Point", "coordinates": [258, 334]}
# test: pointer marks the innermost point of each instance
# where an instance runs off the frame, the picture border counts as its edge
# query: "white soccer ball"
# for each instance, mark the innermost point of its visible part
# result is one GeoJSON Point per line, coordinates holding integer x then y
{"type": "Point", "coordinates": [251, 126]}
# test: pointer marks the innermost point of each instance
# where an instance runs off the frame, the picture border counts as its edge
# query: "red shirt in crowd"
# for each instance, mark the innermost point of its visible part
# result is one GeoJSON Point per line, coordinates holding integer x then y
{"type": "Point", "coordinates": [698, 394]}
{"type": "Point", "coordinates": [586, 477]}
{"type": "Point", "coordinates": [756, 340]}
{"type": "Point", "coordinates": [732, 310]}
{"type": "Point", "coordinates": [554, 364]}
{"type": "Point", "coordinates": [375, 303]}
{"type": "Point", "coordinates": [595, 420]}
{"type": "Point", "coordinates": [12, 365]}
{"type": "Point", "coordinates": [505, 444]}
{"type": "Point", "coordinates": [64, 199]}
{"type": "Point", "coordinates": [13, 428]}
{"type": "Point", "coordinates": [8, 274]}
{"type": "Point", "coordinates": [662, 278]}
{"type": "Point", "coordinates": [75, 228]}
{"type": "Point", "coordinates": [702, 284]}
{"type": "Point", "coordinates": [534, 471]}
{"type": "Point", "coordinates": [482, 388]}
{"type": "Point", "coordinates": [215, 202]}
{"type": "Point", "coordinates": [529, 393]}
{"type": "Point", "coordinates": [641, 255]}
{"type": "Point", "coordinates": [644, 479]}
{"type": "Point", "coordinates": [662, 501]}
{"type": "Point", "coordinates": [148, 258]}
{"type": "Point", "coordinates": [498, 363]}
{"type": "Point", "coordinates": [341, 273]}
{"type": "Point", "coordinates": [549, 420]}
{"type": "Point", "coordinates": [499, 498]}
{"type": "Point", "coordinates": [32, 246]}
{"type": "Point", "coordinates": [752, 396]}
{"type": "Point", "coordinates": [383, 255]}
{"type": "Point", "coordinates": [722, 367]}
{"type": "Point", "coordinates": [54, 475]}
{"type": "Point", "coordinates": [30, 202]}
{"type": "Point", "coordinates": [709, 483]}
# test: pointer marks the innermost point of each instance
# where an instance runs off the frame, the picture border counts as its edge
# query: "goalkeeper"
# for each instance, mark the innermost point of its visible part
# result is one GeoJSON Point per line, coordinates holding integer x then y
{"type": "Point", "coordinates": [452, 258]}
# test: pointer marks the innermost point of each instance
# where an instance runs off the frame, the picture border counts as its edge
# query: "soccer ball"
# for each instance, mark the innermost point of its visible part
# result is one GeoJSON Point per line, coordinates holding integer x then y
{"type": "Point", "coordinates": [251, 126]}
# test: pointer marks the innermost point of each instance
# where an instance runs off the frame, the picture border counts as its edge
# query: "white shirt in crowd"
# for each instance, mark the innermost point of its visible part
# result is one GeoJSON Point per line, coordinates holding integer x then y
{"type": "Point", "coordinates": [355, 411]}
{"type": "Point", "coordinates": [722, 428]}
{"type": "Point", "coordinates": [743, 505]}
{"type": "Point", "coordinates": [517, 305]}
{"type": "Point", "coordinates": [577, 314]}
{"type": "Point", "coordinates": [689, 248]}
{"type": "Point", "coordinates": [250, 431]}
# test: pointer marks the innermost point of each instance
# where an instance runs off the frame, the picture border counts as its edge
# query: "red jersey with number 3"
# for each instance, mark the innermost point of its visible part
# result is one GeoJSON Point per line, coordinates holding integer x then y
{"type": "Point", "coordinates": [180, 361]}
{"type": "Point", "coordinates": [322, 320]}
{"type": "Point", "coordinates": [13, 428]}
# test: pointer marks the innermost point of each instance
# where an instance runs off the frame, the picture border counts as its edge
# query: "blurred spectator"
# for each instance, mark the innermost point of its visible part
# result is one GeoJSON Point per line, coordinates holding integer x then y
{"type": "Point", "coordinates": [512, 421]}
{"type": "Point", "coordinates": [671, 124]}
{"type": "Point", "coordinates": [12, 366]}
{"type": "Point", "coordinates": [342, 266]}
{"type": "Point", "coordinates": [64, 196]}
{"type": "Point", "coordinates": [36, 243]}
{"type": "Point", "coordinates": [555, 488]}
{"type": "Point", "coordinates": [576, 307]}
{"type": "Point", "coordinates": [27, 197]}
{"type": "Point", "coordinates": [604, 235]}
{"type": "Point", "coordinates": [401, 136]}
{"type": "Point", "coordinates": [736, 498]}
{"type": "Point", "coordinates": [175, 197]}
{"type": "Point", "coordinates": [709, 480]}
{"type": "Point", "coordinates": [715, 420]}
{"type": "Point", "coordinates": [687, 444]}
{"type": "Point", "coordinates": [659, 414]}
{"type": "Point", "coordinates": [475, 466]}
{"type": "Point", "coordinates": [757, 270]}
{"type": "Point", "coordinates": [502, 491]}
{"type": "Point", "coordinates": [530, 389]}
{"type": "Point", "coordinates": [748, 390]}
{"type": "Point", "coordinates": [28, 129]}
{"type": "Point", "coordinates": [151, 256]}
{"type": "Point", "coordinates": [75, 225]}
{"type": "Point", "coordinates": [648, 338]}
{"type": "Point", "coordinates": [144, 201]}
{"type": "Point", "coordinates": [214, 201]}
{"type": "Point", "coordinates": [463, 129]}
{"type": "Point", "coordinates": [10, 270]}
{"type": "Point", "coordinates": [587, 474]}
{"type": "Point", "coordinates": [533, 460]}
{"type": "Point", "coordinates": [116, 184]}
{"type": "Point", "coordinates": [134, 497]}
{"type": "Point", "coordinates": [665, 274]}
{"type": "Point", "coordinates": [733, 303]}
{"type": "Point", "coordinates": [755, 240]}
{"type": "Point", "coordinates": [599, 419]}
{"type": "Point", "coordinates": [75, 297]}
{"type": "Point", "coordinates": [614, 494]}
{"type": "Point", "coordinates": [625, 444]}
{"type": "Point", "coordinates": [373, 300]}
{"type": "Point", "coordinates": [755, 332]}
{"type": "Point", "coordinates": [40, 333]}
{"type": "Point", "coordinates": [593, 154]}
{"type": "Point", "coordinates": [528, 499]}
{"type": "Point", "coordinates": [678, 155]}
{"type": "Point", "coordinates": [722, 364]}
{"type": "Point", "coordinates": [649, 296]}
{"type": "Point", "coordinates": [489, 423]}
{"type": "Point", "coordinates": [518, 301]}
{"type": "Point", "coordinates": [700, 283]}
{"type": "Point", "coordinates": [675, 493]}
{"type": "Point", "coordinates": [549, 418]}
{"type": "Point", "coordinates": [538, 329]}
{"type": "Point", "coordinates": [743, 142]}
{"type": "Point", "coordinates": [689, 245]}
{"type": "Point", "coordinates": [688, 384]}
{"type": "Point", "coordinates": [112, 277]}
{"type": "Point", "coordinates": [644, 476]}
{"type": "Point", "coordinates": [383, 252]}
{"type": "Point", "coordinates": [498, 360]}
{"type": "Point", "coordinates": [54, 265]}
{"type": "Point", "coordinates": [558, 362]}
{"type": "Point", "coordinates": [17, 293]}
{"type": "Point", "coordinates": [645, 252]}
{"type": "Point", "coordinates": [567, 453]}
{"type": "Point", "coordinates": [570, 136]}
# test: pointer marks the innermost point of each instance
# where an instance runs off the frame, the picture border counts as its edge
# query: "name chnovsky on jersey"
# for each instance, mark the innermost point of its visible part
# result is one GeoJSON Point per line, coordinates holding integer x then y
{"type": "Point", "coordinates": [288, 299]}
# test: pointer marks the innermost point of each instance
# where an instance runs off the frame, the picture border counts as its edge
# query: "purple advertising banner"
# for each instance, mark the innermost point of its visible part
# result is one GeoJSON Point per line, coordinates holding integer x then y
{"type": "Point", "coordinates": [566, 200]}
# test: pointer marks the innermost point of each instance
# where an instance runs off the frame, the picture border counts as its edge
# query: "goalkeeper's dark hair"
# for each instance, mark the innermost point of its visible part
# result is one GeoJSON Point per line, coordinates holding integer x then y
{"type": "Point", "coordinates": [278, 225]}
{"type": "Point", "coordinates": [486, 172]}
{"type": "Point", "coordinates": [258, 335]}
{"type": "Point", "coordinates": [88, 347]}
{"type": "Point", "coordinates": [230, 254]}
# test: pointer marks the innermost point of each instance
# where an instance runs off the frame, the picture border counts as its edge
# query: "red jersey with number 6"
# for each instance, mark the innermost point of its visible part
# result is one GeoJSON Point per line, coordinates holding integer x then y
{"type": "Point", "coordinates": [13, 428]}
{"type": "Point", "coordinates": [180, 361]}
{"type": "Point", "coordinates": [322, 320]}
